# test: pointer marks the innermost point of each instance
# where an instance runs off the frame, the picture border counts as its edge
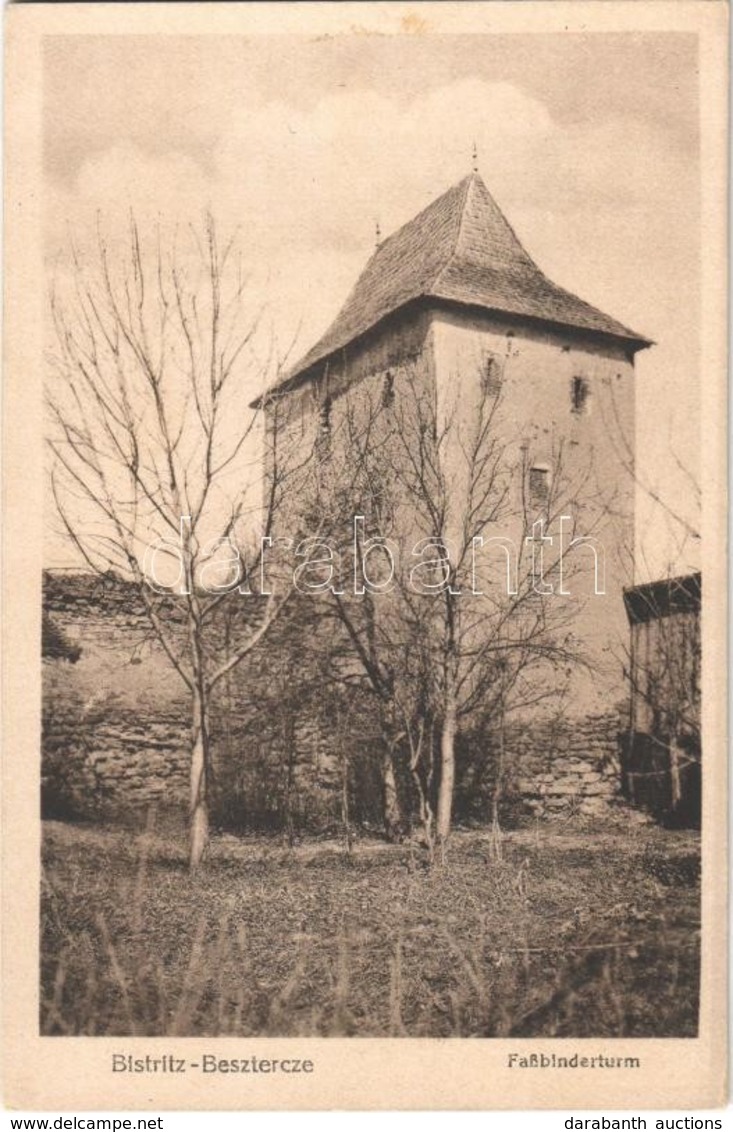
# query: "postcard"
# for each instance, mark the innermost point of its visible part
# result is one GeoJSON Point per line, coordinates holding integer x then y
{"type": "Point", "coordinates": [364, 579]}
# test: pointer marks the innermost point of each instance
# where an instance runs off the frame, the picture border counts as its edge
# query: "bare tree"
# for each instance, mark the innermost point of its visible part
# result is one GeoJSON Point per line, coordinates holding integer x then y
{"type": "Point", "coordinates": [451, 615]}
{"type": "Point", "coordinates": [154, 457]}
{"type": "Point", "coordinates": [661, 659]}
{"type": "Point", "coordinates": [678, 514]}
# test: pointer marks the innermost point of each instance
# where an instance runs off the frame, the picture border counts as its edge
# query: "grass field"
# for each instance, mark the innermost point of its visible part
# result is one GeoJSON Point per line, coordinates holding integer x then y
{"type": "Point", "coordinates": [577, 931]}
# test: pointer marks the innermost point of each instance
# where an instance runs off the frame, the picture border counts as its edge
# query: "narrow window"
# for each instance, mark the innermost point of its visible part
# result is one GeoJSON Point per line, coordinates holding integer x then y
{"type": "Point", "coordinates": [579, 395]}
{"type": "Point", "coordinates": [323, 437]}
{"type": "Point", "coordinates": [539, 485]}
{"type": "Point", "coordinates": [491, 376]}
{"type": "Point", "coordinates": [388, 391]}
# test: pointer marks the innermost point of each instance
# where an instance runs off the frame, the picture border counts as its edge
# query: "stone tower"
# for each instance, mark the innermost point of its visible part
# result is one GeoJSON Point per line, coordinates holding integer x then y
{"type": "Point", "coordinates": [454, 293]}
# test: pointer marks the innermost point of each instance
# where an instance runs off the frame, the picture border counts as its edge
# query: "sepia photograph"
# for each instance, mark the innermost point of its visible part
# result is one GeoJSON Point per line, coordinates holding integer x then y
{"type": "Point", "coordinates": [372, 494]}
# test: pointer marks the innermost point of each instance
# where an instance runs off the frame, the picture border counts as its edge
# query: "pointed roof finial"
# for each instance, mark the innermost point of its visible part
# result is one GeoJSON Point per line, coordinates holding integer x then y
{"type": "Point", "coordinates": [475, 157]}
{"type": "Point", "coordinates": [377, 233]}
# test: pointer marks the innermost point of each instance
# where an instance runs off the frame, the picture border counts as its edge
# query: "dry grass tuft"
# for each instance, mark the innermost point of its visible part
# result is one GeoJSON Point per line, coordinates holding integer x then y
{"type": "Point", "coordinates": [567, 935]}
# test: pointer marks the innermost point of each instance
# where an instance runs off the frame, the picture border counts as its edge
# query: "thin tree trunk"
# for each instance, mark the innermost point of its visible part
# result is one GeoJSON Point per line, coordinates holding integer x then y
{"type": "Point", "coordinates": [674, 774]}
{"type": "Point", "coordinates": [289, 735]}
{"type": "Point", "coordinates": [200, 754]}
{"type": "Point", "coordinates": [447, 770]}
{"type": "Point", "coordinates": [498, 791]}
{"type": "Point", "coordinates": [345, 807]}
{"type": "Point", "coordinates": [423, 779]}
{"type": "Point", "coordinates": [392, 811]}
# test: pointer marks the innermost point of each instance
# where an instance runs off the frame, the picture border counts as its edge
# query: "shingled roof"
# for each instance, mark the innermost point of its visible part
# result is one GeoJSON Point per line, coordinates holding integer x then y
{"type": "Point", "coordinates": [462, 249]}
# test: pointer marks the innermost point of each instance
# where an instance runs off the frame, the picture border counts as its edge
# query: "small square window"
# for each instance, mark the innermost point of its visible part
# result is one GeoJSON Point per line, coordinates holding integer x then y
{"type": "Point", "coordinates": [579, 395]}
{"type": "Point", "coordinates": [539, 486]}
{"type": "Point", "coordinates": [491, 375]}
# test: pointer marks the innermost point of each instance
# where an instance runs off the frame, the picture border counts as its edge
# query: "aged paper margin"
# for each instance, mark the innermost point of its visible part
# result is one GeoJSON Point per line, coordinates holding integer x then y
{"type": "Point", "coordinates": [75, 1073]}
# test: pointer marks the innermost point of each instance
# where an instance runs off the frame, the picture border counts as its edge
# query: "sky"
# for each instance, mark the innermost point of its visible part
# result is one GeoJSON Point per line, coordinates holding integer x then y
{"type": "Point", "coordinates": [588, 142]}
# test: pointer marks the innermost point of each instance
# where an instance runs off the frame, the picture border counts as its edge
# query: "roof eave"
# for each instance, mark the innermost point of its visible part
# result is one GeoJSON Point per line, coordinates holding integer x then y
{"type": "Point", "coordinates": [663, 597]}
{"type": "Point", "coordinates": [301, 374]}
{"type": "Point", "coordinates": [629, 340]}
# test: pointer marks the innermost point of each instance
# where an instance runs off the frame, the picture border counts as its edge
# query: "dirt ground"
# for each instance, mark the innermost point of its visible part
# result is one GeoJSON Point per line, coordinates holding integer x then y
{"type": "Point", "coordinates": [577, 930]}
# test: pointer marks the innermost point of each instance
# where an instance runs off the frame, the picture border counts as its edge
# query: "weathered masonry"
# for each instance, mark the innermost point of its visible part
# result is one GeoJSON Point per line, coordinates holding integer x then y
{"type": "Point", "coordinates": [115, 730]}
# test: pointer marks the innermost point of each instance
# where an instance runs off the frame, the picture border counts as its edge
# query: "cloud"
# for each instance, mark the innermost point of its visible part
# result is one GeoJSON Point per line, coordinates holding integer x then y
{"type": "Point", "coordinates": [314, 181]}
{"type": "Point", "coordinates": [361, 151]}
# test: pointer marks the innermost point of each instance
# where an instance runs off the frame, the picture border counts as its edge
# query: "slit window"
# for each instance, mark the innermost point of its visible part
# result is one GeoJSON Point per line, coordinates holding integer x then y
{"type": "Point", "coordinates": [579, 395]}
{"type": "Point", "coordinates": [323, 437]}
{"type": "Point", "coordinates": [388, 391]}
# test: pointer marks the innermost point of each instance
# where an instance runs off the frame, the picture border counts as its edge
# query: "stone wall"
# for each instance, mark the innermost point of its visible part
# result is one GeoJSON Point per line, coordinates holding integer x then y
{"type": "Point", "coordinates": [97, 765]}
{"type": "Point", "coordinates": [567, 768]}
{"type": "Point", "coordinates": [115, 731]}
{"type": "Point", "coordinates": [115, 723]}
